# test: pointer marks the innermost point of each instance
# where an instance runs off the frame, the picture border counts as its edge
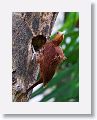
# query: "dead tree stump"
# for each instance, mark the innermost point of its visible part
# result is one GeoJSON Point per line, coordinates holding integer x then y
{"type": "Point", "coordinates": [27, 27]}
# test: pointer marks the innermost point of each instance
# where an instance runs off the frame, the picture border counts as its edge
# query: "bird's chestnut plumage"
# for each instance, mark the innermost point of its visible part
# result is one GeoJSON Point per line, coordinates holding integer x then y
{"type": "Point", "coordinates": [51, 56]}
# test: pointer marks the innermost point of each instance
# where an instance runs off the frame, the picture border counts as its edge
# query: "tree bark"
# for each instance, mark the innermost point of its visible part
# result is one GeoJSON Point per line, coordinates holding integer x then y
{"type": "Point", "coordinates": [25, 27]}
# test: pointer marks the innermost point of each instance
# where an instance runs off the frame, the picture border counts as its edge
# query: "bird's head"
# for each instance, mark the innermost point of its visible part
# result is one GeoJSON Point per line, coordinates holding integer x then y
{"type": "Point", "coordinates": [58, 38]}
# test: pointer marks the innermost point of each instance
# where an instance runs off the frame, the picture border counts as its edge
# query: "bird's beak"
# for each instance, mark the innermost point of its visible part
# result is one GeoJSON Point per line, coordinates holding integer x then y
{"type": "Point", "coordinates": [64, 58]}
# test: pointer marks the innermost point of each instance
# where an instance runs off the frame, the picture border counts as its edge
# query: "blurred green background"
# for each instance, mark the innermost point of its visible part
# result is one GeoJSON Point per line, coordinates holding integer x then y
{"type": "Point", "coordinates": [64, 87]}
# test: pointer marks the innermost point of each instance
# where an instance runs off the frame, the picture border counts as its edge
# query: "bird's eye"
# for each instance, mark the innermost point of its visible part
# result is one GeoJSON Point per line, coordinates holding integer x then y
{"type": "Point", "coordinates": [57, 33]}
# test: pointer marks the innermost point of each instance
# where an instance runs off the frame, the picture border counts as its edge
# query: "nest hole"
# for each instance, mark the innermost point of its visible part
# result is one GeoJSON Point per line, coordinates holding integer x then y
{"type": "Point", "coordinates": [38, 41]}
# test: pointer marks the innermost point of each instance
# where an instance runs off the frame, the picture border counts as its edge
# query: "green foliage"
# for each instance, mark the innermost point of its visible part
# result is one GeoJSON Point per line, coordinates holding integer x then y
{"type": "Point", "coordinates": [64, 87]}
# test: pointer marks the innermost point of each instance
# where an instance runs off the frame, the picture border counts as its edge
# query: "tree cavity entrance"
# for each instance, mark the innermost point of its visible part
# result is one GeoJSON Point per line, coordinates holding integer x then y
{"type": "Point", "coordinates": [38, 41]}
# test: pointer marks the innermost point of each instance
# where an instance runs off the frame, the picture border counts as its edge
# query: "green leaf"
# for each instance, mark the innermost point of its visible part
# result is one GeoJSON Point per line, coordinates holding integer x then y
{"type": "Point", "coordinates": [70, 21]}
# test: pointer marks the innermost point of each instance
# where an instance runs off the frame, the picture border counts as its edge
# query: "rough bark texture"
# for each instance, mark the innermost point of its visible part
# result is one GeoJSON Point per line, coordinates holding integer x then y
{"type": "Point", "coordinates": [25, 27]}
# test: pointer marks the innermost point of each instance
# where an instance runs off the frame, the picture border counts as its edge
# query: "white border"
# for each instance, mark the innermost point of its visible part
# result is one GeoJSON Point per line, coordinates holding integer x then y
{"type": "Point", "coordinates": [6, 104]}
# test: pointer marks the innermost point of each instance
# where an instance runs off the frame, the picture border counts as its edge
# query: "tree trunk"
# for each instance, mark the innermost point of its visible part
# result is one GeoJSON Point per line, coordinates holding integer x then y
{"type": "Point", "coordinates": [27, 28]}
